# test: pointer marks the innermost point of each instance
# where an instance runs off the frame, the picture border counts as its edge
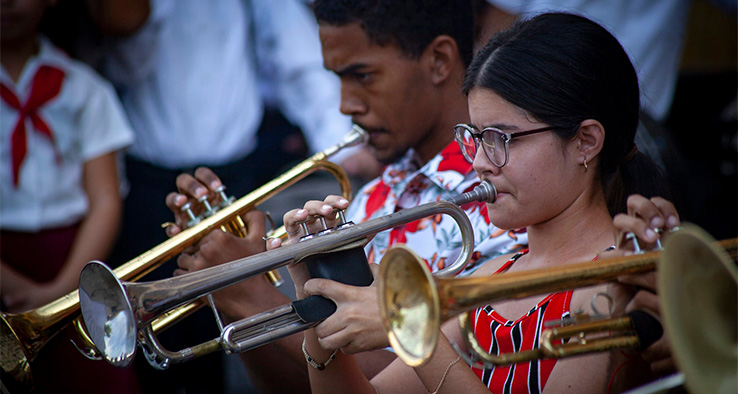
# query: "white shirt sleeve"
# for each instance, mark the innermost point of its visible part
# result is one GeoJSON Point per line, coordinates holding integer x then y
{"type": "Point", "coordinates": [288, 49]}
{"type": "Point", "coordinates": [103, 122]}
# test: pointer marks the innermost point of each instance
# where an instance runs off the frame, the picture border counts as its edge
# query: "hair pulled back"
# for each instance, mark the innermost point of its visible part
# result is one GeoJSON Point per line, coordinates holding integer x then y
{"type": "Point", "coordinates": [563, 69]}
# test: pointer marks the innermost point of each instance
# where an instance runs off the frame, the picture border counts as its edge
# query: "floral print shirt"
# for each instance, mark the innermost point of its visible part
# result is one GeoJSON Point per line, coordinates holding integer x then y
{"type": "Point", "coordinates": [437, 238]}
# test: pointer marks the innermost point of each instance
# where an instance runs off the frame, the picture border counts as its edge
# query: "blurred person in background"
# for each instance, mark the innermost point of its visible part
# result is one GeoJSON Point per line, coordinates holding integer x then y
{"type": "Point", "coordinates": [190, 75]}
{"type": "Point", "coordinates": [61, 126]}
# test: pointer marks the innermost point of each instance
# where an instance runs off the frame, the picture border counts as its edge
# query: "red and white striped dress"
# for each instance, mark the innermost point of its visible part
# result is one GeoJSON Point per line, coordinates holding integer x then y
{"type": "Point", "coordinates": [499, 335]}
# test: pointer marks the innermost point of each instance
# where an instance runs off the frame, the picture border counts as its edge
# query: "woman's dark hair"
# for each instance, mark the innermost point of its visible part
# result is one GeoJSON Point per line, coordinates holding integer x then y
{"type": "Point", "coordinates": [410, 24]}
{"type": "Point", "coordinates": [563, 69]}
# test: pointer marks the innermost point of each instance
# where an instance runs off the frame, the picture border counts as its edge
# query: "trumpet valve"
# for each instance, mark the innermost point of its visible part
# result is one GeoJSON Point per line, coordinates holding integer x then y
{"type": "Point", "coordinates": [209, 211]}
{"type": "Point", "coordinates": [303, 225]}
{"type": "Point", "coordinates": [325, 229]}
{"type": "Point", "coordinates": [187, 208]}
{"type": "Point", "coordinates": [341, 217]}
{"type": "Point", "coordinates": [224, 199]}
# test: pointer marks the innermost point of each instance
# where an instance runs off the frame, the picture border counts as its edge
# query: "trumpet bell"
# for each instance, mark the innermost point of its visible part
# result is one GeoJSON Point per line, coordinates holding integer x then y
{"type": "Point", "coordinates": [13, 357]}
{"type": "Point", "coordinates": [698, 285]}
{"type": "Point", "coordinates": [103, 297]}
{"type": "Point", "coordinates": [406, 310]}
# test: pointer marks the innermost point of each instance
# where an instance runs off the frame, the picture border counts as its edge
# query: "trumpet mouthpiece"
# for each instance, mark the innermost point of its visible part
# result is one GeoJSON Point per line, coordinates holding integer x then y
{"type": "Point", "coordinates": [357, 136]}
{"type": "Point", "coordinates": [484, 192]}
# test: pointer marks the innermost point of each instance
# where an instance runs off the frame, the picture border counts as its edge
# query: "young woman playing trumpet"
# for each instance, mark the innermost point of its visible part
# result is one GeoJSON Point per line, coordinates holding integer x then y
{"type": "Point", "coordinates": [554, 105]}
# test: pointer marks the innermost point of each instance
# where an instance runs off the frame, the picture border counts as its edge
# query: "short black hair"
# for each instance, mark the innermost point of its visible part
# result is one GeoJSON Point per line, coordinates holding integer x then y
{"type": "Point", "coordinates": [410, 24]}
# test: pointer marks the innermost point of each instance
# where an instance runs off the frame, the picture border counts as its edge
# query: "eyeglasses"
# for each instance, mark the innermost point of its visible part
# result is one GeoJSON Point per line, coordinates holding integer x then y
{"type": "Point", "coordinates": [495, 142]}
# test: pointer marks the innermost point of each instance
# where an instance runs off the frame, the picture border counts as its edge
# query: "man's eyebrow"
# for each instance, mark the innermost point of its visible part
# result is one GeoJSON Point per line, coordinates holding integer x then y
{"type": "Point", "coordinates": [350, 69]}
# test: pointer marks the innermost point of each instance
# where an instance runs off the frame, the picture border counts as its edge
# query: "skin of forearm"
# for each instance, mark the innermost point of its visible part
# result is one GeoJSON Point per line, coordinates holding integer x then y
{"type": "Point", "coordinates": [248, 298]}
{"type": "Point", "coordinates": [342, 375]}
{"type": "Point", "coordinates": [93, 242]}
{"type": "Point", "coordinates": [100, 227]}
{"type": "Point", "coordinates": [269, 365]}
{"type": "Point", "coordinates": [459, 375]}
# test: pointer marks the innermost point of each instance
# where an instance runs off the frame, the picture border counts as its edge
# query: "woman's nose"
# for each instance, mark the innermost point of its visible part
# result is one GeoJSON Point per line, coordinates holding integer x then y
{"type": "Point", "coordinates": [482, 163]}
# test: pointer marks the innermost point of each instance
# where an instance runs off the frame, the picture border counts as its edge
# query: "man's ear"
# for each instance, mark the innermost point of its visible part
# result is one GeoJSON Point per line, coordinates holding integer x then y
{"type": "Point", "coordinates": [441, 57]}
{"type": "Point", "coordinates": [591, 138]}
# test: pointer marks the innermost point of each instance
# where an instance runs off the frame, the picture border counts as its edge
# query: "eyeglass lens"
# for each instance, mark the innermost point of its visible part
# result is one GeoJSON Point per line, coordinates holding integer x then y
{"type": "Point", "coordinates": [494, 146]}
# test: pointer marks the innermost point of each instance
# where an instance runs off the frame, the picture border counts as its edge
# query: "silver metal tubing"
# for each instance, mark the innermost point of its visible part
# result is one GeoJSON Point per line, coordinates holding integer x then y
{"type": "Point", "coordinates": [114, 311]}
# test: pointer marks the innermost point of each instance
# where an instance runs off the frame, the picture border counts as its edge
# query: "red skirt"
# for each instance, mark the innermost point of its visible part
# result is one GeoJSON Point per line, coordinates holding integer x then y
{"type": "Point", "coordinates": [59, 367]}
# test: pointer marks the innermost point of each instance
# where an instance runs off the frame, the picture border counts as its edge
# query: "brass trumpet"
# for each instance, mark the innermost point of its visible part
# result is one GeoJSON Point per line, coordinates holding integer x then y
{"type": "Point", "coordinates": [116, 312]}
{"type": "Point", "coordinates": [413, 304]}
{"type": "Point", "coordinates": [698, 295]}
{"type": "Point", "coordinates": [23, 335]}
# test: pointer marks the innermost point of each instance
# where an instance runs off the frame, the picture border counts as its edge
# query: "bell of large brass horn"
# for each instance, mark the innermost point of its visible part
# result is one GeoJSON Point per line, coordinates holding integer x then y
{"type": "Point", "coordinates": [698, 292]}
{"type": "Point", "coordinates": [413, 304]}
{"type": "Point", "coordinates": [23, 335]}
{"type": "Point", "coordinates": [116, 312]}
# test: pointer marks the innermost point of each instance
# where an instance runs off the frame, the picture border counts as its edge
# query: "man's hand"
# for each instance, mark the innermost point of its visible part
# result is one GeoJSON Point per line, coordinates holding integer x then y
{"type": "Point", "coordinates": [220, 247]}
{"type": "Point", "coordinates": [242, 299]}
{"type": "Point", "coordinates": [192, 189]}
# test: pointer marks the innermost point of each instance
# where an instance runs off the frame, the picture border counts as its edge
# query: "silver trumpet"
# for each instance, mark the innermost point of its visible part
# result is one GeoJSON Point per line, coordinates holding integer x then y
{"type": "Point", "coordinates": [118, 314]}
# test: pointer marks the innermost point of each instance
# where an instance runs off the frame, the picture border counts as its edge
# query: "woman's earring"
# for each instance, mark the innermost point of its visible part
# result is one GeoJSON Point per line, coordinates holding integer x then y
{"type": "Point", "coordinates": [585, 165]}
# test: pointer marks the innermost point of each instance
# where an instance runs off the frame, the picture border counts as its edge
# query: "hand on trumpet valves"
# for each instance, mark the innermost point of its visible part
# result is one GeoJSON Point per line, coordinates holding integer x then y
{"type": "Point", "coordinates": [205, 194]}
{"type": "Point", "coordinates": [314, 216]}
{"type": "Point", "coordinates": [219, 247]}
{"type": "Point", "coordinates": [642, 229]}
{"type": "Point", "coordinates": [646, 222]}
{"type": "Point", "coordinates": [304, 221]}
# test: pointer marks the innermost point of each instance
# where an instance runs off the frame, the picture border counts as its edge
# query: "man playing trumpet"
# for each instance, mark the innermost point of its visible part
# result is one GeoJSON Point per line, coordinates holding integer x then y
{"type": "Point", "coordinates": [401, 78]}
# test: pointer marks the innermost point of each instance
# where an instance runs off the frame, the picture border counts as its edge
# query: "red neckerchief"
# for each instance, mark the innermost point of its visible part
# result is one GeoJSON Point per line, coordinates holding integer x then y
{"type": "Point", "coordinates": [46, 85]}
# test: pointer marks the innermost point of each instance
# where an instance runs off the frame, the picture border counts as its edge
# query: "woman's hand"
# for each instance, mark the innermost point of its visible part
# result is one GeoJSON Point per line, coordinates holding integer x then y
{"type": "Point", "coordinates": [310, 214]}
{"type": "Point", "coordinates": [648, 220]}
